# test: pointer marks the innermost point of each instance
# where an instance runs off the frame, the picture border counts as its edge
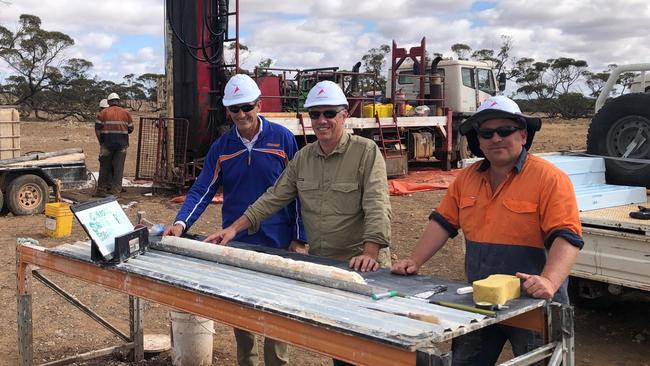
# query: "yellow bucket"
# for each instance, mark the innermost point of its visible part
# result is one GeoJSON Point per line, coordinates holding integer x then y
{"type": "Point", "coordinates": [58, 219]}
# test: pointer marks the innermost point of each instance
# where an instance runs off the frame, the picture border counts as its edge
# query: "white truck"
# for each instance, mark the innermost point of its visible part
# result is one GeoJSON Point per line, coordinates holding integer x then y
{"type": "Point", "coordinates": [616, 258]}
{"type": "Point", "coordinates": [466, 84]}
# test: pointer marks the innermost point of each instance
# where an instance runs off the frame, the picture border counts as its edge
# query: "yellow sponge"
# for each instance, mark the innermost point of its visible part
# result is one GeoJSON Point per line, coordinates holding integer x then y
{"type": "Point", "coordinates": [496, 289]}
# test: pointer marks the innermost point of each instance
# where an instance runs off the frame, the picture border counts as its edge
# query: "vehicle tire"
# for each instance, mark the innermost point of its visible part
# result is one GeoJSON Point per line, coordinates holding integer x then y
{"type": "Point", "coordinates": [613, 129]}
{"type": "Point", "coordinates": [601, 302]}
{"type": "Point", "coordinates": [2, 200]}
{"type": "Point", "coordinates": [27, 195]}
{"type": "Point", "coordinates": [461, 151]}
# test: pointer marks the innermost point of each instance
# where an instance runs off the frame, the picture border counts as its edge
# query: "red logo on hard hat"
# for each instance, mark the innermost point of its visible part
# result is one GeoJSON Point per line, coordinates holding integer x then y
{"type": "Point", "coordinates": [321, 91]}
{"type": "Point", "coordinates": [493, 104]}
{"type": "Point", "coordinates": [236, 89]}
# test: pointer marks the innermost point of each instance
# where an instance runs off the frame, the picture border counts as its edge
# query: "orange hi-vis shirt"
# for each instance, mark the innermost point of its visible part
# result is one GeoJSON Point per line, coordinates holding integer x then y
{"type": "Point", "coordinates": [114, 125]}
{"type": "Point", "coordinates": [510, 230]}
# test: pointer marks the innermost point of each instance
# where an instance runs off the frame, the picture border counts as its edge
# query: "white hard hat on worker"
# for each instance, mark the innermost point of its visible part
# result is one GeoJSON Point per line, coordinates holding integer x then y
{"type": "Point", "coordinates": [113, 96]}
{"type": "Point", "coordinates": [498, 107]}
{"type": "Point", "coordinates": [326, 93]}
{"type": "Point", "coordinates": [327, 106]}
{"type": "Point", "coordinates": [240, 89]}
{"type": "Point", "coordinates": [103, 103]}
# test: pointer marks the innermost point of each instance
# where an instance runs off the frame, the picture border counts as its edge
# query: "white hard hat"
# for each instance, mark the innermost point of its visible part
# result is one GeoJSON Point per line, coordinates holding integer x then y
{"type": "Point", "coordinates": [326, 93]}
{"type": "Point", "coordinates": [113, 96]}
{"type": "Point", "coordinates": [103, 103]}
{"type": "Point", "coordinates": [497, 107]}
{"type": "Point", "coordinates": [240, 89]}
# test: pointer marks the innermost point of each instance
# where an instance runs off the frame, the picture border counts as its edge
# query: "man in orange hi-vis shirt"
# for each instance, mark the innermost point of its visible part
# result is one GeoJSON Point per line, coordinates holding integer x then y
{"type": "Point", "coordinates": [113, 126]}
{"type": "Point", "coordinates": [519, 216]}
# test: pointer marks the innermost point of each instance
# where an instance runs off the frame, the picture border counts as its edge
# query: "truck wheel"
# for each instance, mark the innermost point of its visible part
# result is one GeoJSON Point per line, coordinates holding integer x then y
{"type": "Point", "coordinates": [588, 294]}
{"type": "Point", "coordinates": [461, 151]}
{"type": "Point", "coordinates": [622, 127]}
{"type": "Point", "coordinates": [27, 195]}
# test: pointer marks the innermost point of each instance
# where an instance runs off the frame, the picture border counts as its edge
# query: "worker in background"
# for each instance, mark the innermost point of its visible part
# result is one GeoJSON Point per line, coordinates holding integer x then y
{"type": "Point", "coordinates": [519, 216]}
{"type": "Point", "coordinates": [103, 104]}
{"type": "Point", "coordinates": [245, 162]}
{"type": "Point", "coordinates": [113, 125]}
{"type": "Point", "coordinates": [341, 182]}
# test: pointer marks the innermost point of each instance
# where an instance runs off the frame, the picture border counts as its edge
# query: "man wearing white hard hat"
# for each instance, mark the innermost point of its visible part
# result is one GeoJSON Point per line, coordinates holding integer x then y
{"type": "Point", "coordinates": [519, 216]}
{"type": "Point", "coordinates": [113, 126]}
{"type": "Point", "coordinates": [245, 161]}
{"type": "Point", "coordinates": [103, 104]}
{"type": "Point", "coordinates": [341, 182]}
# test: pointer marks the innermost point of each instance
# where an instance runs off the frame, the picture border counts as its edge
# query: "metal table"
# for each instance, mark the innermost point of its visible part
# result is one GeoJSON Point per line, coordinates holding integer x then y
{"type": "Point", "coordinates": [336, 323]}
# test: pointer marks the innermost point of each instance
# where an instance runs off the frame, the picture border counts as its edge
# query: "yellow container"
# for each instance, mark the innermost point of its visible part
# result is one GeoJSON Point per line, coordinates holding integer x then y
{"type": "Point", "coordinates": [58, 219]}
{"type": "Point", "coordinates": [368, 110]}
{"type": "Point", "coordinates": [386, 110]}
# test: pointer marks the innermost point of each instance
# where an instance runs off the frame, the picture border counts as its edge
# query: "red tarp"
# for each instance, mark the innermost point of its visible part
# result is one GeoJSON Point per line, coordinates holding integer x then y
{"type": "Point", "coordinates": [422, 180]}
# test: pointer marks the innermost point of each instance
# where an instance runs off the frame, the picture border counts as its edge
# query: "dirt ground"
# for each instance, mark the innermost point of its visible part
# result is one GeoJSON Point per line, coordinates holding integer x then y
{"type": "Point", "coordinates": [619, 335]}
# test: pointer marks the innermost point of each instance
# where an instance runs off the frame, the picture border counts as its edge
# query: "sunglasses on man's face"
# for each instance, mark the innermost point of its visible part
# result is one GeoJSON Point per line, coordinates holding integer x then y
{"type": "Point", "coordinates": [504, 131]}
{"type": "Point", "coordinates": [246, 108]}
{"type": "Point", "coordinates": [330, 113]}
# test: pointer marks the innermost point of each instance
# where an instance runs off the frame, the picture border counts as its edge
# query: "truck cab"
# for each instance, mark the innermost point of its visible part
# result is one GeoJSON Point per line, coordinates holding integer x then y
{"type": "Point", "coordinates": [466, 83]}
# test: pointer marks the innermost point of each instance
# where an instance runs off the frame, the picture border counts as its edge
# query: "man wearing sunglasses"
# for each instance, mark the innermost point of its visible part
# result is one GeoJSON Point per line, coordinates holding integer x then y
{"type": "Point", "coordinates": [245, 162]}
{"type": "Point", "coordinates": [519, 216]}
{"type": "Point", "coordinates": [341, 182]}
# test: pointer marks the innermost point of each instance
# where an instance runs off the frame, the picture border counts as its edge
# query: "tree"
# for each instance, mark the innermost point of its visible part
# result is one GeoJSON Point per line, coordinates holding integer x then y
{"type": "Point", "coordinates": [262, 67]}
{"type": "Point", "coordinates": [566, 72]}
{"type": "Point", "coordinates": [34, 54]}
{"type": "Point", "coordinates": [149, 82]}
{"type": "Point", "coordinates": [374, 62]}
{"type": "Point", "coordinates": [73, 93]}
{"type": "Point", "coordinates": [530, 75]}
{"type": "Point", "coordinates": [595, 81]}
{"type": "Point", "coordinates": [547, 79]}
{"type": "Point", "coordinates": [499, 61]}
{"type": "Point", "coordinates": [132, 92]}
{"type": "Point", "coordinates": [244, 53]}
{"type": "Point", "coordinates": [461, 50]}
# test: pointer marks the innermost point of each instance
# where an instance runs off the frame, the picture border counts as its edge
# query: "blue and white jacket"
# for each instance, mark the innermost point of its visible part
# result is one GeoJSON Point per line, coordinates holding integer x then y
{"type": "Point", "coordinates": [245, 175]}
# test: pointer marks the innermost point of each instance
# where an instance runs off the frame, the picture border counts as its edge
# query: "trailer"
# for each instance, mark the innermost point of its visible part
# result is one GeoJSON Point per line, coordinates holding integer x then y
{"type": "Point", "coordinates": [25, 181]}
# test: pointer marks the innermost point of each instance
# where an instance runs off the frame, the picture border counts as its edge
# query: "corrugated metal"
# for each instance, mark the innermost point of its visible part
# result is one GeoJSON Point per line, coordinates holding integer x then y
{"type": "Point", "coordinates": [345, 311]}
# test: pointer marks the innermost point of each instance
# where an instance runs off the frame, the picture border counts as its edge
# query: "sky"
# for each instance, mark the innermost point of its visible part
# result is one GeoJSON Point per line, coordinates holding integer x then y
{"type": "Point", "coordinates": [126, 36]}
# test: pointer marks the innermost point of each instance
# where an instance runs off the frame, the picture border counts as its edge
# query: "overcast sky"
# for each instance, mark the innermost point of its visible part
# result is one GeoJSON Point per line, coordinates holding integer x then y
{"type": "Point", "coordinates": [126, 36]}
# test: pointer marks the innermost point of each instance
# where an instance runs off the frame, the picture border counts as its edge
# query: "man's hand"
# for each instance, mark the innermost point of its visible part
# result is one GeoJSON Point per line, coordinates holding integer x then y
{"type": "Point", "coordinates": [297, 247]}
{"type": "Point", "coordinates": [173, 230]}
{"type": "Point", "coordinates": [367, 261]}
{"type": "Point", "coordinates": [538, 286]}
{"type": "Point", "coordinates": [405, 267]}
{"type": "Point", "coordinates": [221, 237]}
{"type": "Point", "coordinates": [364, 263]}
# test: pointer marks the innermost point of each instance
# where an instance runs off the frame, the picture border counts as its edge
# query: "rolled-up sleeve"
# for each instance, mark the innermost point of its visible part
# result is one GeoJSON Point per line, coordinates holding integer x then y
{"type": "Point", "coordinates": [376, 200]}
{"type": "Point", "coordinates": [282, 193]}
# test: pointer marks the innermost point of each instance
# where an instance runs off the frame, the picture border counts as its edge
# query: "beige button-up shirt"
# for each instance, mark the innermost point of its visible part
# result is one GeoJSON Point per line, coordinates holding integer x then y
{"type": "Point", "coordinates": [343, 196]}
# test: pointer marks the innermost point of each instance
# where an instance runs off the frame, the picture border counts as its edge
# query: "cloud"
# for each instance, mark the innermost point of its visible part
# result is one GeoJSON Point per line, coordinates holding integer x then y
{"type": "Point", "coordinates": [125, 37]}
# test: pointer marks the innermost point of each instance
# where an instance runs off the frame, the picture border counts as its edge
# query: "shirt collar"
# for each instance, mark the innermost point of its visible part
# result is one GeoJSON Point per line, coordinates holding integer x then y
{"type": "Point", "coordinates": [519, 165]}
{"type": "Point", "coordinates": [340, 147]}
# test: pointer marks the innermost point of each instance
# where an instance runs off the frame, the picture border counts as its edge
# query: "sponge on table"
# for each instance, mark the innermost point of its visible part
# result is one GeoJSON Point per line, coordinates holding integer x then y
{"type": "Point", "coordinates": [496, 289]}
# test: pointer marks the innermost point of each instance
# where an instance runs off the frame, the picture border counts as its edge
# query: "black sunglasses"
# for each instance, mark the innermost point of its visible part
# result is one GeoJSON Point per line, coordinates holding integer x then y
{"type": "Point", "coordinates": [504, 131]}
{"type": "Point", "coordinates": [246, 108]}
{"type": "Point", "coordinates": [330, 113]}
